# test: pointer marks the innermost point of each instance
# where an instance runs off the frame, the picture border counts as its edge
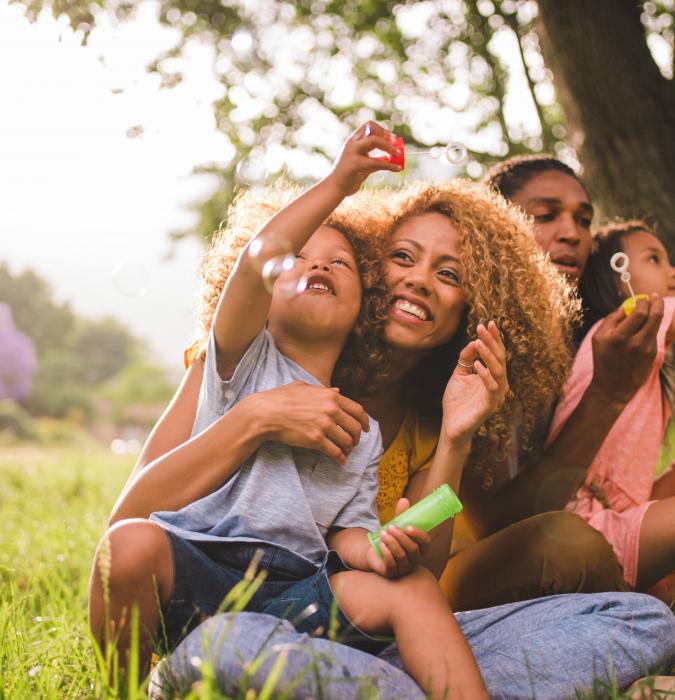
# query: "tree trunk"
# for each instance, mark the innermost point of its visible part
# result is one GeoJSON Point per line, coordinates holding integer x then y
{"type": "Point", "coordinates": [620, 110]}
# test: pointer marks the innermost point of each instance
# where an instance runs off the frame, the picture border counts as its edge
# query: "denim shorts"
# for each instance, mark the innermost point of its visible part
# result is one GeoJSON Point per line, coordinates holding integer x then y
{"type": "Point", "coordinates": [294, 589]}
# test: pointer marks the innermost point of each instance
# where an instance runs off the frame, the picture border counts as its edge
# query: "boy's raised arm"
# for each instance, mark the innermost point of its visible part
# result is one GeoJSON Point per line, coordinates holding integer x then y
{"type": "Point", "coordinates": [244, 303]}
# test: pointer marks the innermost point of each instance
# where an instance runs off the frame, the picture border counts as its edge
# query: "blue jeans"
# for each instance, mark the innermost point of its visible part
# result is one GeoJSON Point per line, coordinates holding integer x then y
{"type": "Point", "coordinates": [293, 589]}
{"type": "Point", "coordinates": [552, 647]}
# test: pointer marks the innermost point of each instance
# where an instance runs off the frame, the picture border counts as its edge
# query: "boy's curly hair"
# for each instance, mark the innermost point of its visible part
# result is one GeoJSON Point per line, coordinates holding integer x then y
{"type": "Point", "coordinates": [505, 278]}
{"type": "Point", "coordinates": [364, 358]}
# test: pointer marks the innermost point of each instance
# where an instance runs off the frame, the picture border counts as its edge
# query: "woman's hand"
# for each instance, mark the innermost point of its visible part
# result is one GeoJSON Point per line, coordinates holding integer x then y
{"type": "Point", "coordinates": [354, 164]}
{"type": "Point", "coordinates": [478, 386]}
{"type": "Point", "coordinates": [402, 549]}
{"type": "Point", "coordinates": [312, 416]}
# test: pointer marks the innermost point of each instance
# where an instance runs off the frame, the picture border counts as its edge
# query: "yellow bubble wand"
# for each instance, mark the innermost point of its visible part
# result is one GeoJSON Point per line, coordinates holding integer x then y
{"type": "Point", "coordinates": [619, 263]}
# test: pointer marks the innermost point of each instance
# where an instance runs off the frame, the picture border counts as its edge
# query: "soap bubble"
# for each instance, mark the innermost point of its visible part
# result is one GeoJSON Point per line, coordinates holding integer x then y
{"type": "Point", "coordinates": [272, 256]}
{"type": "Point", "coordinates": [130, 278]}
{"type": "Point", "coordinates": [291, 282]}
{"type": "Point", "coordinates": [435, 152]}
{"type": "Point", "coordinates": [456, 153]}
{"type": "Point", "coordinates": [275, 267]}
{"type": "Point", "coordinates": [262, 249]}
{"type": "Point", "coordinates": [251, 171]}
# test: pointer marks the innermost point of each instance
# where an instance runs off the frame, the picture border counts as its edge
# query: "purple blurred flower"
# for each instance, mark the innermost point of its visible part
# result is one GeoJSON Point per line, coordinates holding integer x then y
{"type": "Point", "coordinates": [18, 362]}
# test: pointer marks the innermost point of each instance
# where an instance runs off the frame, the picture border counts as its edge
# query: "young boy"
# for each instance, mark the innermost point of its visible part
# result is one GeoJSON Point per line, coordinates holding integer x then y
{"type": "Point", "coordinates": [294, 506]}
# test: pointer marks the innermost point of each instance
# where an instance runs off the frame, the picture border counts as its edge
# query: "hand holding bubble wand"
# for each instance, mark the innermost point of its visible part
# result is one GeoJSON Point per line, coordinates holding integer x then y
{"type": "Point", "coordinates": [619, 263]}
{"type": "Point", "coordinates": [273, 256]}
{"type": "Point", "coordinates": [455, 153]}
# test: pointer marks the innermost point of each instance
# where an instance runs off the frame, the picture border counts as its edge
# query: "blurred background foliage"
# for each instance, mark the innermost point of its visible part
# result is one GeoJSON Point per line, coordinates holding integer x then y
{"type": "Point", "coordinates": [87, 371]}
{"type": "Point", "coordinates": [298, 76]}
{"type": "Point", "coordinates": [578, 79]}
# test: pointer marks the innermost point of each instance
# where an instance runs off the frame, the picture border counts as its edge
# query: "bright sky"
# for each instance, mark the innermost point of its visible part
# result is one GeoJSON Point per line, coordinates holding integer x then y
{"type": "Point", "coordinates": [84, 205]}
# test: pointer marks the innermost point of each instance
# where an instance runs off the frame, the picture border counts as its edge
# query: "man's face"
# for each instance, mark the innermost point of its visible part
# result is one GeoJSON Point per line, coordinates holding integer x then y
{"type": "Point", "coordinates": [562, 216]}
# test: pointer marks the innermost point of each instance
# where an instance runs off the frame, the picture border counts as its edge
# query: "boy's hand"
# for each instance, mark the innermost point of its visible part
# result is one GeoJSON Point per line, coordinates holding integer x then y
{"type": "Point", "coordinates": [478, 386]}
{"type": "Point", "coordinates": [353, 165]}
{"type": "Point", "coordinates": [402, 549]}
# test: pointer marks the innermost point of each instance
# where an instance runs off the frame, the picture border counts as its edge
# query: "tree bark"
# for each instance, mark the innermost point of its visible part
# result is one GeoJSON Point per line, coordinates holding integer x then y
{"type": "Point", "coordinates": [620, 109]}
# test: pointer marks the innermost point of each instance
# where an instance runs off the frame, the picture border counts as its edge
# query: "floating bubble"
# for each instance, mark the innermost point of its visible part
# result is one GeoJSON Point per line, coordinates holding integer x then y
{"type": "Point", "coordinates": [291, 282]}
{"type": "Point", "coordinates": [251, 171]}
{"type": "Point", "coordinates": [275, 267]}
{"type": "Point", "coordinates": [135, 132]}
{"type": "Point", "coordinates": [435, 152]}
{"type": "Point", "coordinates": [262, 249]}
{"type": "Point", "coordinates": [133, 446]}
{"type": "Point", "coordinates": [456, 153]}
{"type": "Point", "coordinates": [130, 279]}
{"type": "Point", "coordinates": [118, 446]}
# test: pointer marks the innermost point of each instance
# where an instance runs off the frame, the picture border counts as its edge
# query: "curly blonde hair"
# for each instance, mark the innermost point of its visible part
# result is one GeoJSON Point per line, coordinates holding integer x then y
{"type": "Point", "coordinates": [363, 361]}
{"type": "Point", "coordinates": [505, 278]}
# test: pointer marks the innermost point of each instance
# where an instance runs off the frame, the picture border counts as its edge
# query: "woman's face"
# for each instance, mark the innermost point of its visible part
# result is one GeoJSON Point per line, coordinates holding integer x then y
{"type": "Point", "coordinates": [424, 277]}
{"type": "Point", "coordinates": [649, 267]}
{"type": "Point", "coordinates": [562, 216]}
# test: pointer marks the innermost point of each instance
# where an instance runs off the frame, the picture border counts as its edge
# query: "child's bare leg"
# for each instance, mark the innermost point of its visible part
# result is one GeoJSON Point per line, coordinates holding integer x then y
{"type": "Point", "coordinates": [432, 646]}
{"type": "Point", "coordinates": [134, 560]}
{"type": "Point", "coordinates": [657, 543]}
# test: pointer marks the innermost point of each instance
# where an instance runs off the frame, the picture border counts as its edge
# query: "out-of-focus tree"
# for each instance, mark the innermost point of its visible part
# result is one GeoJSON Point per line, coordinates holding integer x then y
{"type": "Point", "coordinates": [297, 76]}
{"type": "Point", "coordinates": [18, 361]}
{"type": "Point", "coordinates": [30, 298]}
{"type": "Point", "coordinates": [136, 390]}
{"type": "Point", "coordinates": [75, 355]}
{"type": "Point", "coordinates": [105, 347]}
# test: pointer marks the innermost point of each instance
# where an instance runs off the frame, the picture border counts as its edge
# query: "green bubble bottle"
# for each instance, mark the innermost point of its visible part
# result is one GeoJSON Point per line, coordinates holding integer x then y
{"type": "Point", "coordinates": [442, 503]}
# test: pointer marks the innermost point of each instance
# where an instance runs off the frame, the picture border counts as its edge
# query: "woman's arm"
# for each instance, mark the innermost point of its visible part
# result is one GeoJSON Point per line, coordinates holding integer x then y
{"type": "Point", "coordinates": [624, 348]}
{"type": "Point", "coordinates": [175, 425]}
{"type": "Point", "coordinates": [475, 390]}
{"type": "Point", "coordinates": [297, 414]}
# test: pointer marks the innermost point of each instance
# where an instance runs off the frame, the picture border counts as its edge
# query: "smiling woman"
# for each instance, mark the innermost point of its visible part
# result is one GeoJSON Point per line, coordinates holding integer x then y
{"type": "Point", "coordinates": [424, 248]}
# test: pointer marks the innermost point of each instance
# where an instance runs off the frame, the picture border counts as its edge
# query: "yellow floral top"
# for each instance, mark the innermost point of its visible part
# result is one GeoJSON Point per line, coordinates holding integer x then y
{"type": "Point", "coordinates": [411, 451]}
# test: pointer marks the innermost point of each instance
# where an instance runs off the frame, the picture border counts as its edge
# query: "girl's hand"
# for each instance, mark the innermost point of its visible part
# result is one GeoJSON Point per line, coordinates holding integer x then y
{"type": "Point", "coordinates": [477, 387]}
{"type": "Point", "coordinates": [403, 550]}
{"type": "Point", "coordinates": [354, 164]}
{"type": "Point", "coordinates": [312, 416]}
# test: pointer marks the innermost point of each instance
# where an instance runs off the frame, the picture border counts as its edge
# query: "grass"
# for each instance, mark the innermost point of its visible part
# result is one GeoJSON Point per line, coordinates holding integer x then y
{"type": "Point", "coordinates": [54, 504]}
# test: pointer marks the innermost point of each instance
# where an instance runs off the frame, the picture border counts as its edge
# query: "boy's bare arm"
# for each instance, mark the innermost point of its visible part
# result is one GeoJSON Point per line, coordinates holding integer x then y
{"type": "Point", "coordinates": [244, 303]}
{"type": "Point", "coordinates": [352, 545]}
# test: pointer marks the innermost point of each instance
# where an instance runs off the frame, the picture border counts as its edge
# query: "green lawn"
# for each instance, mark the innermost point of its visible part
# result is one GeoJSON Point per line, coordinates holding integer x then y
{"type": "Point", "coordinates": [54, 504]}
